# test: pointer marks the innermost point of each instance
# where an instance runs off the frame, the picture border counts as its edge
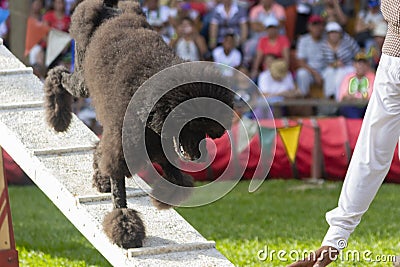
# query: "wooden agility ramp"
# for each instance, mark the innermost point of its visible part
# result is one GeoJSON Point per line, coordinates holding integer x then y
{"type": "Point", "coordinates": [60, 164]}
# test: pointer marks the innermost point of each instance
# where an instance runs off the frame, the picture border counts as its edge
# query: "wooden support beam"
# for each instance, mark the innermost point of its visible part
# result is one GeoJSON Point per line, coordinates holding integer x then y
{"type": "Point", "coordinates": [8, 254]}
{"type": "Point", "coordinates": [315, 102]}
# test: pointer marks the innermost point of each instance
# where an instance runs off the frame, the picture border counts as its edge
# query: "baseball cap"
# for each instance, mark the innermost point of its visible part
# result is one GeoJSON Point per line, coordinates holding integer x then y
{"type": "Point", "coordinates": [373, 3]}
{"type": "Point", "coordinates": [361, 56]}
{"type": "Point", "coordinates": [271, 21]}
{"type": "Point", "coordinates": [333, 26]}
{"type": "Point", "coordinates": [314, 19]}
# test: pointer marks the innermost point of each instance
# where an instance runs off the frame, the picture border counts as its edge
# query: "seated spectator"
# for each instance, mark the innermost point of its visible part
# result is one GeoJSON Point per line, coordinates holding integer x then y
{"type": "Point", "coordinates": [338, 51]}
{"type": "Point", "coordinates": [290, 7]}
{"type": "Point", "coordinates": [276, 83]}
{"type": "Point", "coordinates": [161, 17]}
{"type": "Point", "coordinates": [357, 85]}
{"type": "Point", "coordinates": [184, 9]}
{"type": "Point", "coordinates": [243, 99]}
{"type": "Point", "coordinates": [309, 56]}
{"type": "Point", "coordinates": [4, 32]}
{"type": "Point", "coordinates": [68, 6]}
{"type": "Point", "coordinates": [56, 17]}
{"type": "Point", "coordinates": [244, 87]}
{"type": "Point", "coordinates": [331, 11]}
{"type": "Point", "coordinates": [367, 20]}
{"type": "Point", "coordinates": [274, 44]}
{"type": "Point", "coordinates": [227, 54]}
{"type": "Point", "coordinates": [228, 17]}
{"type": "Point", "coordinates": [189, 44]}
{"type": "Point", "coordinates": [258, 14]}
{"type": "Point", "coordinates": [304, 10]}
{"type": "Point", "coordinates": [379, 35]}
{"type": "Point", "coordinates": [36, 55]}
{"type": "Point", "coordinates": [4, 4]}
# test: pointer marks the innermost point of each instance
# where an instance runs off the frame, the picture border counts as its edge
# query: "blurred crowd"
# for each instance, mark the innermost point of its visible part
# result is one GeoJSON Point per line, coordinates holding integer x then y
{"type": "Point", "coordinates": [289, 48]}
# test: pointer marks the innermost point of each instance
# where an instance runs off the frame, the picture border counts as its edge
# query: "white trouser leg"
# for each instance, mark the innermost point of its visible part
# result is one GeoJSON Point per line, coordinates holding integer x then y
{"type": "Point", "coordinates": [373, 153]}
{"type": "Point", "coordinates": [304, 80]}
{"type": "Point", "coordinates": [329, 75]}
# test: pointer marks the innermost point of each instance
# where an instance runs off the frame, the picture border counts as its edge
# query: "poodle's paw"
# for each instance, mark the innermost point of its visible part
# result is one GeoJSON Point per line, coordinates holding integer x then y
{"type": "Point", "coordinates": [165, 196]}
{"type": "Point", "coordinates": [102, 183]}
{"type": "Point", "coordinates": [124, 228]}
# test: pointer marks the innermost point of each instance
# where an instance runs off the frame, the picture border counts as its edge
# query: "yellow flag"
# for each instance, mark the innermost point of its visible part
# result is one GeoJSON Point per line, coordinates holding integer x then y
{"type": "Point", "coordinates": [290, 137]}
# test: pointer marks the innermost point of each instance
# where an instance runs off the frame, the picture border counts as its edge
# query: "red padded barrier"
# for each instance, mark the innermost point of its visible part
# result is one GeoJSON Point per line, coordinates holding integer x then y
{"type": "Point", "coordinates": [394, 172]}
{"type": "Point", "coordinates": [305, 150]}
{"type": "Point", "coordinates": [338, 139]}
{"type": "Point", "coordinates": [353, 130]}
{"type": "Point", "coordinates": [334, 139]}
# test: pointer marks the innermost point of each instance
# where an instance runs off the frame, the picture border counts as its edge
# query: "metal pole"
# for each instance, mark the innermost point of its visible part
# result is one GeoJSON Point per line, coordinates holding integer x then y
{"type": "Point", "coordinates": [317, 152]}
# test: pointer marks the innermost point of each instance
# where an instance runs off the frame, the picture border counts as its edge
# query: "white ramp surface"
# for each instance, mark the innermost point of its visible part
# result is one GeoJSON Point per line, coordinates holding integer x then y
{"type": "Point", "coordinates": [61, 166]}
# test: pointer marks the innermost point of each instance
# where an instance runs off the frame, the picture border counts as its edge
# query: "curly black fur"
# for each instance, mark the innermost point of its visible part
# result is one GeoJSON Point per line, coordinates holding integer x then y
{"type": "Point", "coordinates": [179, 194]}
{"type": "Point", "coordinates": [100, 182]}
{"type": "Point", "coordinates": [116, 52]}
{"type": "Point", "coordinates": [58, 101]}
{"type": "Point", "coordinates": [125, 227]}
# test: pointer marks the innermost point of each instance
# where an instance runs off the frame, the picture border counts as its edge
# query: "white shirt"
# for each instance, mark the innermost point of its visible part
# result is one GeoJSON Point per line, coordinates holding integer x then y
{"type": "Point", "coordinates": [159, 16]}
{"type": "Point", "coordinates": [369, 17]}
{"type": "Point", "coordinates": [187, 50]}
{"type": "Point", "coordinates": [269, 85]}
{"type": "Point", "coordinates": [3, 29]}
{"type": "Point", "coordinates": [233, 59]}
{"type": "Point", "coordinates": [221, 10]}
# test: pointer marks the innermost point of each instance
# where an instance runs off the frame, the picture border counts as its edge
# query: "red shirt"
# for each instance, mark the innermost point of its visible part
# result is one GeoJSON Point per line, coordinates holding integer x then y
{"type": "Point", "coordinates": [276, 48]}
{"type": "Point", "coordinates": [56, 23]}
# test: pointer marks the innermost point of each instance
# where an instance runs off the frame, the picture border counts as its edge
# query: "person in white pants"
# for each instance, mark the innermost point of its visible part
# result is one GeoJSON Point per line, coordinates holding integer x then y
{"type": "Point", "coordinates": [374, 149]}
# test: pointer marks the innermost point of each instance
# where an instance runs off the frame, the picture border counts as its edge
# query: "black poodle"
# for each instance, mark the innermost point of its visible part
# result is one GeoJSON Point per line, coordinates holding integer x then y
{"type": "Point", "coordinates": [116, 52]}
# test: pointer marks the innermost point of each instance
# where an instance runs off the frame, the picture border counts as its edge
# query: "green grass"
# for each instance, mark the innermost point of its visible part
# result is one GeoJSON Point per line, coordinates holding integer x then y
{"type": "Point", "coordinates": [44, 237]}
{"type": "Point", "coordinates": [282, 215]}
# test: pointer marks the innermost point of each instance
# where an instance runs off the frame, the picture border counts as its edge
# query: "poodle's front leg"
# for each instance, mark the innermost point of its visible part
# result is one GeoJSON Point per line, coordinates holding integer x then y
{"type": "Point", "coordinates": [100, 181]}
{"type": "Point", "coordinates": [123, 226]}
{"type": "Point", "coordinates": [118, 193]}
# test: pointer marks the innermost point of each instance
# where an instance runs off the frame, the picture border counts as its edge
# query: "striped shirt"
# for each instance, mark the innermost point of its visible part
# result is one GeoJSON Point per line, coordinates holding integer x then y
{"type": "Point", "coordinates": [228, 23]}
{"type": "Point", "coordinates": [346, 51]}
{"type": "Point", "coordinates": [391, 12]}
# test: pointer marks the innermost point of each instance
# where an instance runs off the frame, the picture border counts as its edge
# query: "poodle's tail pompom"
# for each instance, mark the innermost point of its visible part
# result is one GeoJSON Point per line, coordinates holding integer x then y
{"type": "Point", "coordinates": [57, 100]}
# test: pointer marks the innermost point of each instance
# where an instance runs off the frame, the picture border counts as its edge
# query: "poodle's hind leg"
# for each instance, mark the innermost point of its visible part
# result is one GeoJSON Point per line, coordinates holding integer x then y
{"type": "Point", "coordinates": [164, 195]}
{"type": "Point", "coordinates": [74, 84]}
{"type": "Point", "coordinates": [123, 226]}
{"type": "Point", "coordinates": [101, 182]}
